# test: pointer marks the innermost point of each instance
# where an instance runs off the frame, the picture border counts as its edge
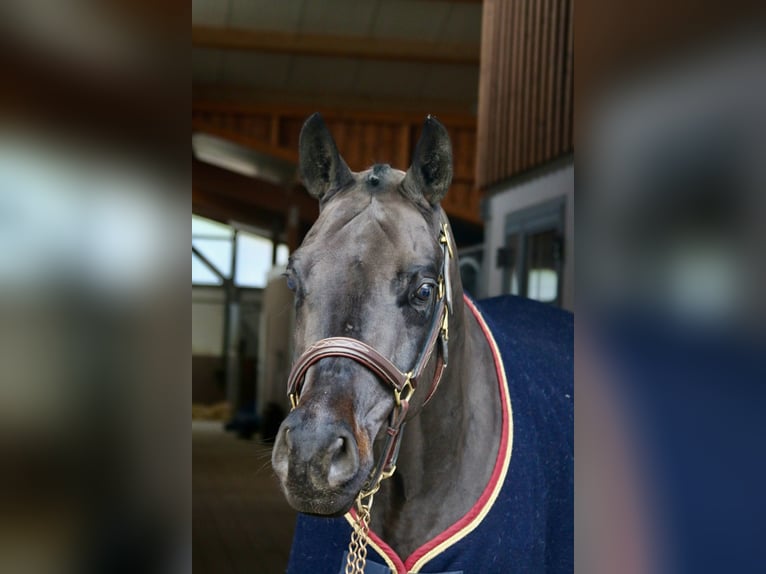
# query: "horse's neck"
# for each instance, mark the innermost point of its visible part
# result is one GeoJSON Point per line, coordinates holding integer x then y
{"type": "Point", "coordinates": [448, 449]}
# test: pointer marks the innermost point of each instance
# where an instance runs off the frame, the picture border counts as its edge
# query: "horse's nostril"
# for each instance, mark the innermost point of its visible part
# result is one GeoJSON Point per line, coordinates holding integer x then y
{"type": "Point", "coordinates": [338, 447]}
{"type": "Point", "coordinates": [344, 461]}
{"type": "Point", "coordinates": [288, 439]}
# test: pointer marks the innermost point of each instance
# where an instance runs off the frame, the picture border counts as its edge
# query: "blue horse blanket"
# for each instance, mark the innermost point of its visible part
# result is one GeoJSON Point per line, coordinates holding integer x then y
{"type": "Point", "coordinates": [523, 522]}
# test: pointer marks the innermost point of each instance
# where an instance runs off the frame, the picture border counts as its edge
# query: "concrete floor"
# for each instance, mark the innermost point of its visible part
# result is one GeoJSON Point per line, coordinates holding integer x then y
{"type": "Point", "coordinates": [241, 522]}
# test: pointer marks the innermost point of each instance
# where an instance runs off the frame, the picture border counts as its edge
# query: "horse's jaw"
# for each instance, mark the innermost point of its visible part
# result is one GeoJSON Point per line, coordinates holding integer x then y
{"type": "Point", "coordinates": [320, 511]}
{"type": "Point", "coordinates": [329, 506]}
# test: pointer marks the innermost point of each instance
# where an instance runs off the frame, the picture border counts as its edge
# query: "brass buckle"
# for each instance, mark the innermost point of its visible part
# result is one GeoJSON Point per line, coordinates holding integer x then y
{"type": "Point", "coordinates": [407, 389]}
{"type": "Point", "coordinates": [294, 401]}
{"type": "Point", "coordinates": [444, 238]}
{"type": "Point", "coordinates": [445, 327]}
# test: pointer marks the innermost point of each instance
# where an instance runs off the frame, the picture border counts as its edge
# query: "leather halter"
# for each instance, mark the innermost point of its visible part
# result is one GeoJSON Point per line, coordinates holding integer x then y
{"type": "Point", "coordinates": [402, 384]}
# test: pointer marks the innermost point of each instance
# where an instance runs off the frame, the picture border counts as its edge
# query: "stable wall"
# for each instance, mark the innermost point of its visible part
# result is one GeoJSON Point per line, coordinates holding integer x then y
{"type": "Point", "coordinates": [510, 197]}
{"type": "Point", "coordinates": [208, 308]}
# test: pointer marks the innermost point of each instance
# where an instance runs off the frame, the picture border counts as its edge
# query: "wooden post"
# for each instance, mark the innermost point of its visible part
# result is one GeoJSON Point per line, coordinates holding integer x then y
{"type": "Point", "coordinates": [293, 227]}
{"type": "Point", "coordinates": [275, 233]}
{"type": "Point", "coordinates": [404, 154]}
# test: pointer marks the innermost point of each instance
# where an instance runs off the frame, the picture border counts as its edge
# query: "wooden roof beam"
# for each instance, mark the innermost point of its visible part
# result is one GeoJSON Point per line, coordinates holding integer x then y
{"type": "Point", "coordinates": [334, 46]}
{"type": "Point", "coordinates": [240, 192]}
{"type": "Point", "coordinates": [284, 103]}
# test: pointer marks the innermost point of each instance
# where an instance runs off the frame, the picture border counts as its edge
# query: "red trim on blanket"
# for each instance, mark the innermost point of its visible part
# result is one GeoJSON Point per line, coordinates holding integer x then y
{"type": "Point", "coordinates": [500, 462]}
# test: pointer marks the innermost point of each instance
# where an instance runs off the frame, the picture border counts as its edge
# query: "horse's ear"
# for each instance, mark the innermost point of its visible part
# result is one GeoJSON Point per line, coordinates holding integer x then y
{"type": "Point", "coordinates": [430, 174]}
{"type": "Point", "coordinates": [322, 168]}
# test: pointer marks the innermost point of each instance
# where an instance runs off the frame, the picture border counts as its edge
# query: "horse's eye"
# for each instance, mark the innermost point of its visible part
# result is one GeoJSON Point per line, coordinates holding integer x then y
{"type": "Point", "coordinates": [291, 284]}
{"type": "Point", "coordinates": [424, 291]}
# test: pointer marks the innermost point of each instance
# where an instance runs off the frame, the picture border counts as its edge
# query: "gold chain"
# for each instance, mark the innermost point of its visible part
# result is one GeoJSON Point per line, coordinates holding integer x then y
{"type": "Point", "coordinates": [357, 546]}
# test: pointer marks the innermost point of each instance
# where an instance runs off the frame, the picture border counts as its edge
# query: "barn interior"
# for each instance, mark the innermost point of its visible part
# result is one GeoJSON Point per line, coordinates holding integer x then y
{"type": "Point", "coordinates": [93, 202]}
{"type": "Point", "coordinates": [497, 74]}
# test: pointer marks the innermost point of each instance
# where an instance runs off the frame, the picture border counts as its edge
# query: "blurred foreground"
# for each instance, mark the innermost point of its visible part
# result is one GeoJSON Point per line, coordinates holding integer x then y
{"type": "Point", "coordinates": [671, 360]}
{"type": "Point", "coordinates": [94, 329]}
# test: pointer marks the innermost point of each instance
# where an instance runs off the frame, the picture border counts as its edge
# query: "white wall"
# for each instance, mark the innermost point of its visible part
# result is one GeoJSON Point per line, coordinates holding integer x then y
{"type": "Point", "coordinates": [207, 321]}
{"type": "Point", "coordinates": [275, 343]}
{"type": "Point", "coordinates": [207, 317]}
{"type": "Point", "coordinates": [515, 197]}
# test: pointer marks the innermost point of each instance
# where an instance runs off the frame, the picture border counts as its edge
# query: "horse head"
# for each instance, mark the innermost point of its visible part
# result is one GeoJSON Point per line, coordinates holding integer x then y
{"type": "Point", "coordinates": [370, 269]}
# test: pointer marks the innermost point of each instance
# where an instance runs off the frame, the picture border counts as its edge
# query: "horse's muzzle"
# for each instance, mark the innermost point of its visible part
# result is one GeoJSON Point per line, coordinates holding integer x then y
{"type": "Point", "coordinates": [317, 462]}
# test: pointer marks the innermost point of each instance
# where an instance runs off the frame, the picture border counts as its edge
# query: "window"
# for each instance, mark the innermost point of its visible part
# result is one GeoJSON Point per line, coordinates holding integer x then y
{"type": "Point", "coordinates": [532, 257]}
{"type": "Point", "coordinates": [217, 251]}
{"type": "Point", "coordinates": [542, 265]}
{"type": "Point", "coordinates": [542, 285]}
{"type": "Point", "coordinates": [214, 254]}
{"type": "Point", "coordinates": [202, 274]}
{"type": "Point", "coordinates": [254, 255]}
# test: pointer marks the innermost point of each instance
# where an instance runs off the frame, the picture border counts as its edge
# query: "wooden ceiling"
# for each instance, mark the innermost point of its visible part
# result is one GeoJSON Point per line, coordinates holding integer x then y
{"type": "Point", "coordinates": [374, 68]}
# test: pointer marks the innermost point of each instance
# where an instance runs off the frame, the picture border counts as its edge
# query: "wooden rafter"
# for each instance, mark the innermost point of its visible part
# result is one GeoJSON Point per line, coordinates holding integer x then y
{"type": "Point", "coordinates": [335, 46]}
{"type": "Point", "coordinates": [452, 117]}
{"type": "Point", "coordinates": [253, 192]}
{"type": "Point", "coordinates": [246, 97]}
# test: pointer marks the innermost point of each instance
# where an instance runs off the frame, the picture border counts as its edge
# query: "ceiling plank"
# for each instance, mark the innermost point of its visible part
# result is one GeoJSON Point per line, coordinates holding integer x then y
{"type": "Point", "coordinates": [335, 46]}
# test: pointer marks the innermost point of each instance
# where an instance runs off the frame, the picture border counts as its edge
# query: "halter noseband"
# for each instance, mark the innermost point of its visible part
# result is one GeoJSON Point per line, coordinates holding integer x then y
{"type": "Point", "coordinates": [402, 384]}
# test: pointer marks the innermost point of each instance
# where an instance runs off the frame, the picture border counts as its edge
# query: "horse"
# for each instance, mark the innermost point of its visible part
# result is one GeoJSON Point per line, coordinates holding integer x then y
{"type": "Point", "coordinates": [454, 417]}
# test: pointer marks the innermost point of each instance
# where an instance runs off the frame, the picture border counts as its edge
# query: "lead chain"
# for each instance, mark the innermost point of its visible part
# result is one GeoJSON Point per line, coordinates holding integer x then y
{"type": "Point", "coordinates": [357, 546]}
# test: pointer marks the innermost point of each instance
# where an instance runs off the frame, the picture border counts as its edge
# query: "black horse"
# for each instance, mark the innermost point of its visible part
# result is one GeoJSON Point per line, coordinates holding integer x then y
{"type": "Point", "coordinates": [481, 480]}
